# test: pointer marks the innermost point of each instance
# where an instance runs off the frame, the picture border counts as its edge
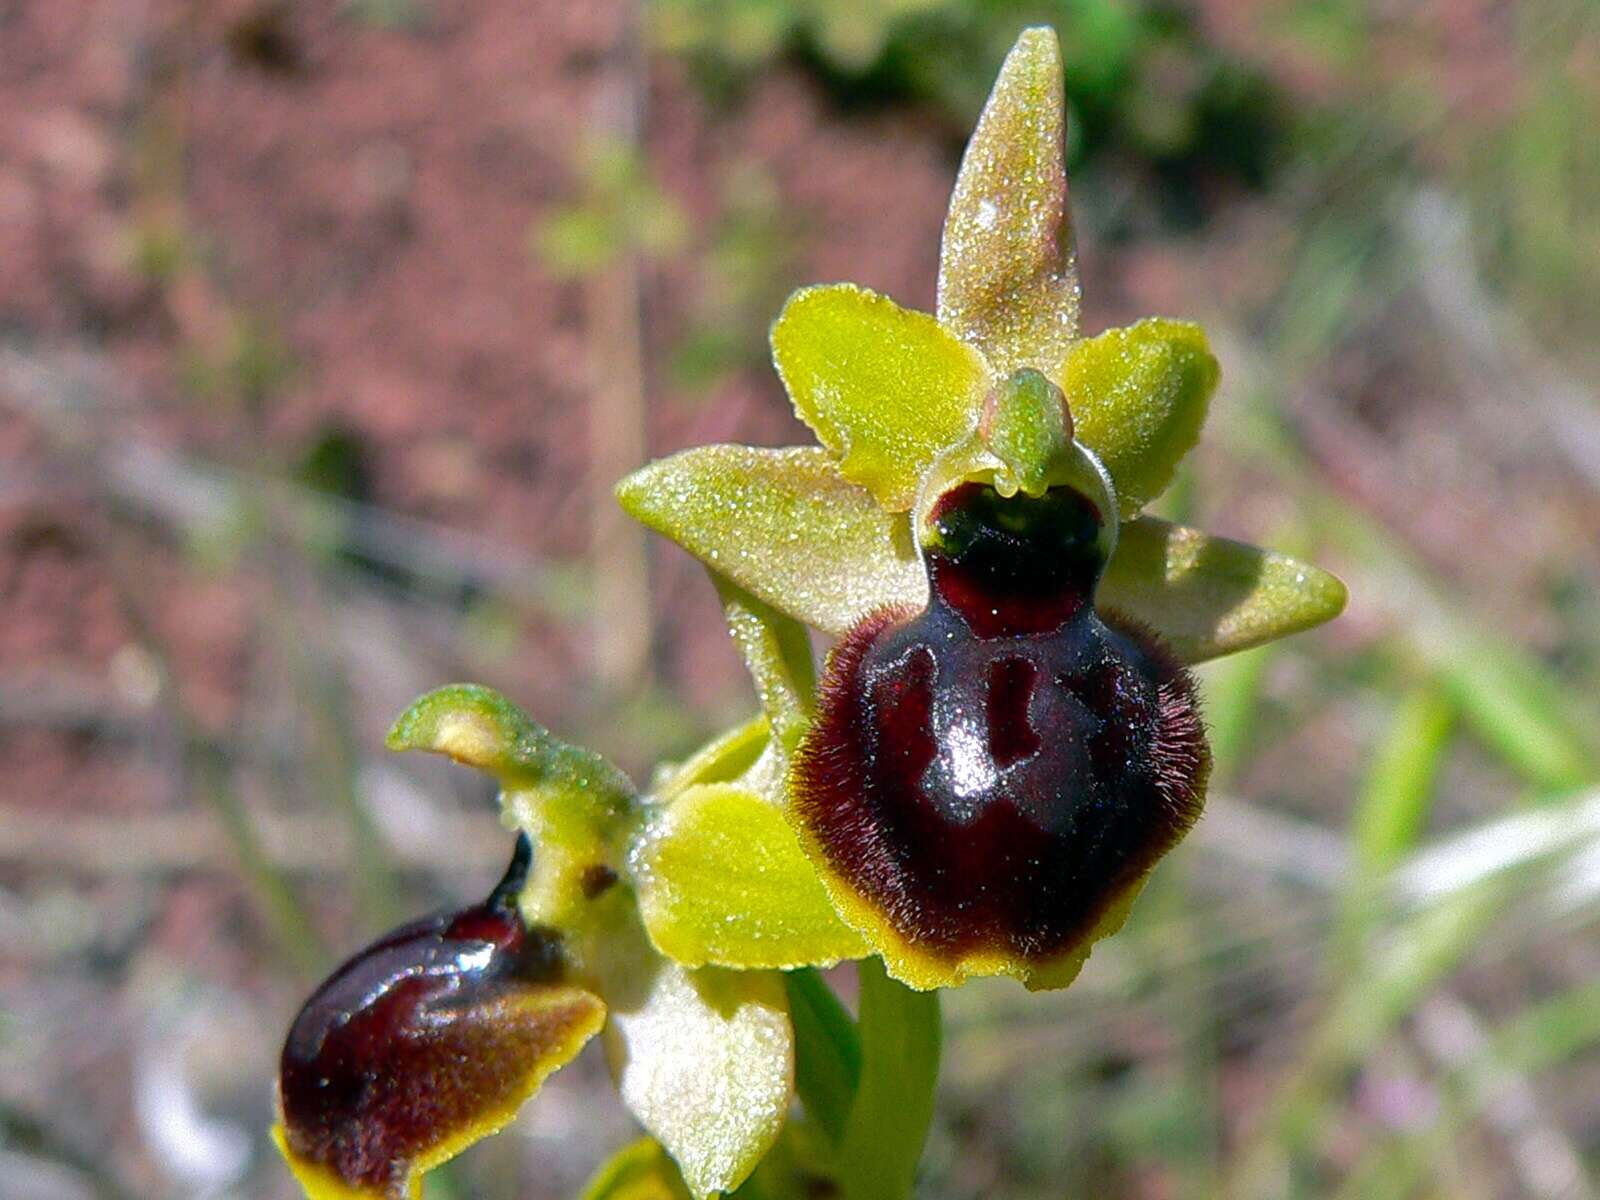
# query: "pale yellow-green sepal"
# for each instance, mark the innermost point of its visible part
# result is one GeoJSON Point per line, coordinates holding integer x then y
{"type": "Point", "coordinates": [641, 1170]}
{"type": "Point", "coordinates": [885, 388]}
{"type": "Point", "coordinates": [1207, 596]}
{"type": "Point", "coordinates": [703, 1059]}
{"type": "Point", "coordinates": [1007, 280]}
{"type": "Point", "coordinates": [1138, 397]}
{"type": "Point", "coordinates": [785, 526]}
{"type": "Point", "coordinates": [722, 880]}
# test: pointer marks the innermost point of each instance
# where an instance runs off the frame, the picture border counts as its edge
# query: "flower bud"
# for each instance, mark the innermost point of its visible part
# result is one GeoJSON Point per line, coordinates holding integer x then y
{"type": "Point", "coordinates": [424, 1042]}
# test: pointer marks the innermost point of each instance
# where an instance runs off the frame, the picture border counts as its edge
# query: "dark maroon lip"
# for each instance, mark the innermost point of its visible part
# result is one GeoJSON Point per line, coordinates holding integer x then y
{"type": "Point", "coordinates": [995, 771]}
{"type": "Point", "coordinates": [389, 1023]}
{"type": "Point", "coordinates": [1011, 566]}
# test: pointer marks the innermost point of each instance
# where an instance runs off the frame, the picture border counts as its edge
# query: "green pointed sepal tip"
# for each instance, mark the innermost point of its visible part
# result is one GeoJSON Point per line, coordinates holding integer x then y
{"type": "Point", "coordinates": [479, 727]}
{"type": "Point", "coordinates": [1209, 596]}
{"type": "Point", "coordinates": [1008, 281]}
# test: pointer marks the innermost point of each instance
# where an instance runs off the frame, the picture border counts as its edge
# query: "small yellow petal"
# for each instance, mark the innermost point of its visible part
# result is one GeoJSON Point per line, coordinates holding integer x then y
{"type": "Point", "coordinates": [883, 387]}
{"type": "Point", "coordinates": [1138, 397]}
{"type": "Point", "coordinates": [722, 880]}
{"type": "Point", "coordinates": [722, 759]}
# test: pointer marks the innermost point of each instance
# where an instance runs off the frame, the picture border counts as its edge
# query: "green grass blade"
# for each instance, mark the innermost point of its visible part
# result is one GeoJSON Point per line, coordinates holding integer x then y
{"type": "Point", "coordinates": [1232, 691]}
{"type": "Point", "coordinates": [1392, 808]}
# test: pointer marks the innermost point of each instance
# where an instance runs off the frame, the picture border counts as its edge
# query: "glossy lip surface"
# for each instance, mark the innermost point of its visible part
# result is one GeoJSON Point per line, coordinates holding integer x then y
{"type": "Point", "coordinates": [417, 1037]}
{"type": "Point", "coordinates": [990, 776]}
{"type": "Point", "coordinates": [1014, 566]}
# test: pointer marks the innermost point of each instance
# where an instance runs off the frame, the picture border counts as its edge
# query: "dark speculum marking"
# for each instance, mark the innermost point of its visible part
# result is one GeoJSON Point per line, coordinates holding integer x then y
{"type": "Point", "coordinates": [994, 772]}
{"type": "Point", "coordinates": [597, 879]}
{"type": "Point", "coordinates": [421, 1035]}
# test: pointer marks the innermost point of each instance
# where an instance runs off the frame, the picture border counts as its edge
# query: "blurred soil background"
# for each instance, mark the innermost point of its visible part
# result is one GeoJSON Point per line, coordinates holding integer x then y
{"type": "Point", "coordinates": [325, 328]}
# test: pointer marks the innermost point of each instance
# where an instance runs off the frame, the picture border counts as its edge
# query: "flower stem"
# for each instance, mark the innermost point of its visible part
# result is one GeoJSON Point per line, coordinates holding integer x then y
{"type": "Point", "coordinates": [827, 1060]}
{"type": "Point", "coordinates": [888, 1124]}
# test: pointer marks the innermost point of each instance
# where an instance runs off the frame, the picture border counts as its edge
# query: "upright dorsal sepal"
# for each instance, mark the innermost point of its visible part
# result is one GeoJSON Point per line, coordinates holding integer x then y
{"type": "Point", "coordinates": [1008, 278]}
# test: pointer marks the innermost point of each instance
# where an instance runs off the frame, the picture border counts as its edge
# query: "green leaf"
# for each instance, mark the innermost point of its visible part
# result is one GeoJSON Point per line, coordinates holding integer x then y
{"type": "Point", "coordinates": [1391, 809]}
{"type": "Point", "coordinates": [894, 1104]}
{"type": "Point", "coordinates": [721, 879]}
{"type": "Point", "coordinates": [783, 525]}
{"type": "Point", "coordinates": [1008, 283]}
{"type": "Point", "coordinates": [883, 387]}
{"type": "Point", "coordinates": [1138, 398]}
{"type": "Point", "coordinates": [1208, 596]}
{"type": "Point", "coordinates": [1231, 694]}
{"type": "Point", "coordinates": [1517, 708]}
{"type": "Point", "coordinates": [639, 1171]}
{"type": "Point", "coordinates": [703, 1059]}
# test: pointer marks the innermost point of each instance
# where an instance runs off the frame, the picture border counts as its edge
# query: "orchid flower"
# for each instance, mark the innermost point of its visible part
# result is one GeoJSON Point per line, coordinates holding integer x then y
{"type": "Point", "coordinates": [1004, 741]}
